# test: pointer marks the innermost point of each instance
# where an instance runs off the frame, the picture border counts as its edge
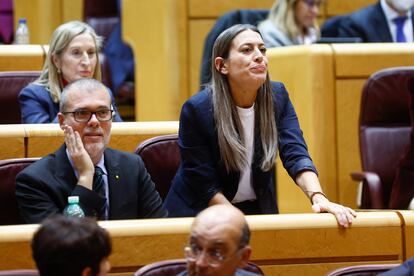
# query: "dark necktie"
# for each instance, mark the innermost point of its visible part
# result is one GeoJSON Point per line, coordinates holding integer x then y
{"type": "Point", "coordinates": [399, 22]}
{"type": "Point", "coordinates": [99, 187]}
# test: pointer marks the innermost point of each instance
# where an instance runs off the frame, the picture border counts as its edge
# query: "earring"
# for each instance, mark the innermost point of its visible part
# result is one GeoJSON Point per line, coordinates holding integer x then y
{"type": "Point", "coordinates": [58, 71]}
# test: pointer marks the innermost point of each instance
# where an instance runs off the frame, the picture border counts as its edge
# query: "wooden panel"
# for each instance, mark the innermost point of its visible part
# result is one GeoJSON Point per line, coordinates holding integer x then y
{"type": "Point", "coordinates": [11, 141]}
{"type": "Point", "coordinates": [214, 8]}
{"type": "Point", "coordinates": [127, 136]}
{"type": "Point", "coordinates": [47, 138]}
{"type": "Point", "coordinates": [199, 30]}
{"type": "Point", "coordinates": [309, 244]}
{"type": "Point", "coordinates": [307, 72]}
{"type": "Point", "coordinates": [43, 16]}
{"type": "Point", "coordinates": [21, 57]}
{"type": "Point", "coordinates": [339, 7]}
{"type": "Point", "coordinates": [160, 53]}
{"type": "Point", "coordinates": [408, 219]}
{"type": "Point", "coordinates": [348, 96]}
{"type": "Point", "coordinates": [363, 59]}
{"type": "Point", "coordinates": [72, 10]}
{"type": "Point", "coordinates": [12, 147]}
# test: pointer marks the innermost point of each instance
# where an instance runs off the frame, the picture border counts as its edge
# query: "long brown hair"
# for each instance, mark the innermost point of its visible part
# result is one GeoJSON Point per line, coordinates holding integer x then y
{"type": "Point", "coordinates": [233, 152]}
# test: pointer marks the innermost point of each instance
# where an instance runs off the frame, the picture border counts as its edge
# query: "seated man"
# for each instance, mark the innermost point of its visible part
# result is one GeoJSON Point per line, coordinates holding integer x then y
{"type": "Point", "coordinates": [110, 184]}
{"type": "Point", "coordinates": [71, 246]}
{"type": "Point", "coordinates": [219, 243]}
{"type": "Point", "coordinates": [385, 21]}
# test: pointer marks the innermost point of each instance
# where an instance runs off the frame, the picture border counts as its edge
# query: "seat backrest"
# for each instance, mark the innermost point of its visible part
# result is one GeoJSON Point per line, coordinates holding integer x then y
{"type": "Point", "coordinates": [103, 26]}
{"type": "Point", "coordinates": [11, 83]}
{"type": "Point", "coordinates": [253, 17]}
{"type": "Point", "coordinates": [161, 157]}
{"type": "Point", "coordinates": [331, 26]}
{"type": "Point", "coordinates": [19, 272]}
{"type": "Point", "coordinates": [9, 168]}
{"type": "Point", "coordinates": [384, 123]}
{"type": "Point", "coordinates": [362, 270]}
{"type": "Point", "coordinates": [174, 267]}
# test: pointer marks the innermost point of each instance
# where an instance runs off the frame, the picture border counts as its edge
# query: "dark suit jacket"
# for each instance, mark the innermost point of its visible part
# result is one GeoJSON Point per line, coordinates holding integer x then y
{"type": "Point", "coordinates": [405, 269]}
{"type": "Point", "coordinates": [42, 189]}
{"type": "Point", "coordinates": [369, 24]}
{"type": "Point", "coordinates": [37, 106]}
{"type": "Point", "coordinates": [202, 173]}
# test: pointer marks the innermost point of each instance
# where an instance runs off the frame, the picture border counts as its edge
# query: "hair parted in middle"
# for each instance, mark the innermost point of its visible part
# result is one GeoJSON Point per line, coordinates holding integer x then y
{"type": "Point", "coordinates": [232, 150]}
{"type": "Point", "coordinates": [282, 15]}
{"type": "Point", "coordinates": [61, 37]}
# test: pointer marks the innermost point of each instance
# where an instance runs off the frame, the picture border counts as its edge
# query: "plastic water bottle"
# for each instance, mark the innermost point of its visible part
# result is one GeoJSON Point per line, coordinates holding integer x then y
{"type": "Point", "coordinates": [22, 32]}
{"type": "Point", "coordinates": [73, 209]}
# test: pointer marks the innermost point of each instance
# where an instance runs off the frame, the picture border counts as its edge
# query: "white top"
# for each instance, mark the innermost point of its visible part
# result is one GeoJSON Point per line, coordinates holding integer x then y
{"type": "Point", "coordinates": [391, 14]}
{"type": "Point", "coordinates": [245, 189]}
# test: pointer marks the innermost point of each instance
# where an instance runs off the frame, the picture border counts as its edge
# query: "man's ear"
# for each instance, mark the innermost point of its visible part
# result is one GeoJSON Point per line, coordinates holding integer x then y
{"type": "Point", "coordinates": [245, 256]}
{"type": "Point", "coordinates": [61, 119]}
{"type": "Point", "coordinates": [220, 65]}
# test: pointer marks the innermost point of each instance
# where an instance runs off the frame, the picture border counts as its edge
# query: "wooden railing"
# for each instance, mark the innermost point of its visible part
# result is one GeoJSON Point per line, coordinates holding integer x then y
{"type": "Point", "coordinates": [301, 244]}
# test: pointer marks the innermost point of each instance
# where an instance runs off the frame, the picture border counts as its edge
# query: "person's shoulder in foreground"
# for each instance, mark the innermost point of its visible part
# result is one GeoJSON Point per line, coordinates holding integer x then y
{"type": "Point", "coordinates": [218, 242]}
{"type": "Point", "coordinates": [405, 269]}
{"type": "Point", "coordinates": [69, 246]}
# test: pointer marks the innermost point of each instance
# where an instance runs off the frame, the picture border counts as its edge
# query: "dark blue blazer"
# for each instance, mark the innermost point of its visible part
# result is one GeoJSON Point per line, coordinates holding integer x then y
{"type": "Point", "coordinates": [405, 269]}
{"type": "Point", "coordinates": [202, 172]}
{"type": "Point", "coordinates": [369, 24]}
{"type": "Point", "coordinates": [37, 106]}
{"type": "Point", "coordinates": [42, 189]}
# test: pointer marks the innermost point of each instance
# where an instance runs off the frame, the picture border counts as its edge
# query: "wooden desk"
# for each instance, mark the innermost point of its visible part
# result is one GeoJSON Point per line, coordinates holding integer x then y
{"type": "Point", "coordinates": [36, 140]}
{"type": "Point", "coordinates": [301, 244]}
{"type": "Point", "coordinates": [408, 232]}
{"type": "Point", "coordinates": [21, 57]}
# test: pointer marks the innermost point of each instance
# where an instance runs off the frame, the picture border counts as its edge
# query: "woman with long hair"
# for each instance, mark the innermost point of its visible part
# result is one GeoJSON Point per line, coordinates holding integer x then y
{"type": "Point", "coordinates": [230, 133]}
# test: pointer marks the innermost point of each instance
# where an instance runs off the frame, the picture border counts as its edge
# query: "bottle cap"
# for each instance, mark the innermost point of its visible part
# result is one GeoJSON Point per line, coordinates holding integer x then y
{"type": "Point", "coordinates": [73, 199]}
{"type": "Point", "coordinates": [22, 20]}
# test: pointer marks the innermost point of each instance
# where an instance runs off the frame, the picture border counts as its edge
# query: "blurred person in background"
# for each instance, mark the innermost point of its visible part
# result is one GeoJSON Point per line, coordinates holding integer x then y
{"type": "Point", "coordinates": [291, 22]}
{"type": "Point", "coordinates": [385, 21]}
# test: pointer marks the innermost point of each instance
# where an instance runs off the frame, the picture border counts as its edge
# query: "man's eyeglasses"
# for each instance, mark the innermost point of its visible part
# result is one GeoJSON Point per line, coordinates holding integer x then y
{"type": "Point", "coordinates": [83, 116]}
{"type": "Point", "coordinates": [313, 3]}
{"type": "Point", "coordinates": [214, 258]}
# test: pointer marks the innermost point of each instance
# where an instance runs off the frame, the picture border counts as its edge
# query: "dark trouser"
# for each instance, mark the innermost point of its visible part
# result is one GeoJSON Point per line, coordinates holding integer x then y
{"type": "Point", "coordinates": [249, 207]}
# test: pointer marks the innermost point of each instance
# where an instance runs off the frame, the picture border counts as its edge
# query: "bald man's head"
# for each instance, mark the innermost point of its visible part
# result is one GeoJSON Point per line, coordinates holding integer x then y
{"type": "Point", "coordinates": [223, 215]}
{"type": "Point", "coordinates": [220, 231]}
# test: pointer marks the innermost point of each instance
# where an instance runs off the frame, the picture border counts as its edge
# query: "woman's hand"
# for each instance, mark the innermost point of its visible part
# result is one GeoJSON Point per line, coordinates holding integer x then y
{"type": "Point", "coordinates": [80, 157]}
{"type": "Point", "coordinates": [344, 215]}
{"type": "Point", "coordinates": [308, 181]}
